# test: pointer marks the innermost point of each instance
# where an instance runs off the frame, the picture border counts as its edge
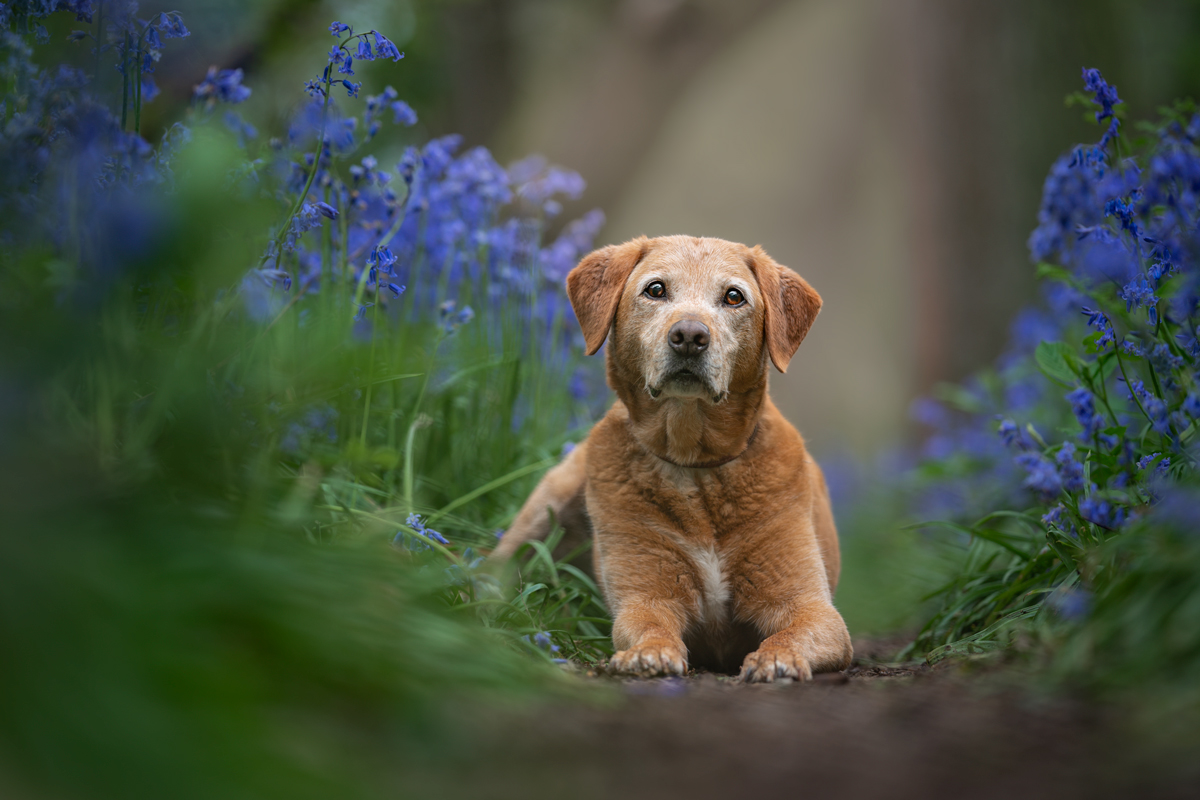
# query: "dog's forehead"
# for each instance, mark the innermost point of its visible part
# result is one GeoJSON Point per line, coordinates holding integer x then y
{"type": "Point", "coordinates": [696, 260]}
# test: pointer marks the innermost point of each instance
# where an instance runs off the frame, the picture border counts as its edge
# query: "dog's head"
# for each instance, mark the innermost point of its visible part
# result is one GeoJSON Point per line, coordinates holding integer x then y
{"type": "Point", "coordinates": [689, 317]}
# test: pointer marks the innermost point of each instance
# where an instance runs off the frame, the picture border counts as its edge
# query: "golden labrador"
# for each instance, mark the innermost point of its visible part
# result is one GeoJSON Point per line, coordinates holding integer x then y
{"type": "Point", "coordinates": [714, 539]}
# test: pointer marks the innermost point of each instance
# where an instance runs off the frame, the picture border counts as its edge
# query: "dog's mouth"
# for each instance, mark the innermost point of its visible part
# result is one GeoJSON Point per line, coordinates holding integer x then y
{"type": "Point", "coordinates": [685, 383]}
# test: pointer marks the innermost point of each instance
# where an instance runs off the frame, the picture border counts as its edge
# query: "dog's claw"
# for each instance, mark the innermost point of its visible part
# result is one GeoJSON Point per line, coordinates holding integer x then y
{"type": "Point", "coordinates": [648, 661]}
{"type": "Point", "coordinates": [767, 666]}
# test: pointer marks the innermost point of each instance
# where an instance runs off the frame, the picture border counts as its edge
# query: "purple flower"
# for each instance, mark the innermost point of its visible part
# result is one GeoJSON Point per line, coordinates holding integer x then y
{"type": "Point", "coordinates": [223, 85]}
{"type": "Point", "coordinates": [1013, 436]}
{"type": "Point", "coordinates": [1191, 406]}
{"type": "Point", "coordinates": [385, 48]}
{"type": "Point", "coordinates": [1137, 293]}
{"type": "Point", "coordinates": [414, 521]}
{"type": "Point", "coordinates": [170, 24]}
{"type": "Point", "coordinates": [1104, 95]}
{"type": "Point", "coordinates": [1041, 476]}
{"type": "Point", "coordinates": [1098, 320]}
{"type": "Point", "coordinates": [338, 28]}
{"type": "Point", "coordinates": [1069, 469]}
{"type": "Point", "coordinates": [1101, 512]}
{"type": "Point", "coordinates": [402, 113]}
{"type": "Point", "coordinates": [1070, 604]}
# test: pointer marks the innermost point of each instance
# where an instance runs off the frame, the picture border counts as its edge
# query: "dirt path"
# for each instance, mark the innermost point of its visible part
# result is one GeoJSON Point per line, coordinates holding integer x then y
{"type": "Point", "coordinates": [873, 731]}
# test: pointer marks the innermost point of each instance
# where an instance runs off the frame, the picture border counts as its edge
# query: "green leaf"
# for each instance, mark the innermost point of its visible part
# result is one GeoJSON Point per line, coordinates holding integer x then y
{"type": "Point", "coordinates": [1052, 272]}
{"type": "Point", "coordinates": [980, 643]}
{"type": "Point", "coordinates": [1057, 362]}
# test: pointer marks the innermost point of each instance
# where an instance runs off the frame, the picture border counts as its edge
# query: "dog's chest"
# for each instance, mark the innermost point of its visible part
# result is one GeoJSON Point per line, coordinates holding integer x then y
{"type": "Point", "coordinates": [707, 520]}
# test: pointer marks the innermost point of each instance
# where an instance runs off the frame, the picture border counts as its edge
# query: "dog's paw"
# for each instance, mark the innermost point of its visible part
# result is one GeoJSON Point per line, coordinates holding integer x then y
{"type": "Point", "coordinates": [771, 663]}
{"type": "Point", "coordinates": [649, 660]}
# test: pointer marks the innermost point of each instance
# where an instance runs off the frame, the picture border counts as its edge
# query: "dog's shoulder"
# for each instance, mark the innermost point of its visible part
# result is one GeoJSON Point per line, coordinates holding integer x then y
{"type": "Point", "coordinates": [611, 444]}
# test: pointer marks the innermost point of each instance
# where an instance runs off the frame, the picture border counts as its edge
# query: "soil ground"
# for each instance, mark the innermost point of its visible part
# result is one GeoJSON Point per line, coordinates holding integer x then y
{"type": "Point", "coordinates": [875, 730]}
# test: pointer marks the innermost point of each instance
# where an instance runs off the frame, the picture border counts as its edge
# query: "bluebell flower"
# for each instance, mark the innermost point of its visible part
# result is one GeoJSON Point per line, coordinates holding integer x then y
{"type": "Point", "coordinates": [1101, 512]}
{"type": "Point", "coordinates": [1104, 95]}
{"type": "Point", "coordinates": [153, 42]}
{"type": "Point", "coordinates": [224, 85]}
{"type": "Point", "coordinates": [541, 640]}
{"type": "Point", "coordinates": [1191, 406]}
{"type": "Point", "coordinates": [170, 23]}
{"type": "Point", "coordinates": [414, 521]}
{"type": "Point", "coordinates": [1070, 470]}
{"type": "Point", "coordinates": [1013, 436]}
{"type": "Point", "coordinates": [1164, 361]}
{"type": "Point", "coordinates": [351, 88]}
{"type": "Point", "coordinates": [338, 28]}
{"type": "Point", "coordinates": [402, 114]}
{"type": "Point", "coordinates": [327, 210]}
{"type": "Point", "coordinates": [1042, 477]}
{"type": "Point", "coordinates": [1055, 516]}
{"type": "Point", "coordinates": [1156, 410]}
{"type": "Point", "coordinates": [347, 67]}
{"type": "Point", "coordinates": [1083, 406]}
{"type": "Point", "coordinates": [1138, 293]}
{"type": "Point", "coordinates": [452, 319]}
{"type": "Point", "coordinates": [149, 89]}
{"type": "Point", "coordinates": [1179, 509]}
{"type": "Point", "coordinates": [382, 258]}
{"type": "Point", "coordinates": [1031, 327]}
{"type": "Point", "coordinates": [1147, 460]}
{"type": "Point", "coordinates": [1098, 320]}
{"type": "Point", "coordinates": [244, 130]}
{"type": "Point", "coordinates": [385, 48]}
{"type": "Point", "coordinates": [364, 50]}
{"type": "Point", "coordinates": [395, 289]}
{"type": "Point", "coordinates": [1190, 344]}
{"type": "Point", "coordinates": [1070, 604]}
{"type": "Point", "coordinates": [314, 88]}
{"type": "Point", "coordinates": [1132, 349]}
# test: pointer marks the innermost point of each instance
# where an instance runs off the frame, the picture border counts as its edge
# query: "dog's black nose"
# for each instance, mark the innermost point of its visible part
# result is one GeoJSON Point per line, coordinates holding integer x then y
{"type": "Point", "coordinates": [688, 337]}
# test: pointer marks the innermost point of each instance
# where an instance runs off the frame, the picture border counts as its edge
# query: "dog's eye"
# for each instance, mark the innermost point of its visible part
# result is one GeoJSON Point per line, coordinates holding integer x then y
{"type": "Point", "coordinates": [734, 298]}
{"type": "Point", "coordinates": [656, 290]}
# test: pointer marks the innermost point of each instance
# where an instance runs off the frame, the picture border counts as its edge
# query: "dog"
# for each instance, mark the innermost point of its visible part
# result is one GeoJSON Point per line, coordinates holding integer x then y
{"type": "Point", "coordinates": [714, 540]}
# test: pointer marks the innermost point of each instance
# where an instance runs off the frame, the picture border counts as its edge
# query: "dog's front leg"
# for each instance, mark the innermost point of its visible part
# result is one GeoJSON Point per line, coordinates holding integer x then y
{"type": "Point", "coordinates": [648, 635]}
{"type": "Point", "coordinates": [808, 636]}
{"type": "Point", "coordinates": [787, 598]}
{"type": "Point", "coordinates": [653, 593]}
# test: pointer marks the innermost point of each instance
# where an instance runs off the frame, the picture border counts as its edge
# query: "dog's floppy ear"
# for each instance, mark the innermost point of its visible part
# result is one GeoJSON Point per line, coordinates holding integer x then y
{"type": "Point", "coordinates": [595, 285]}
{"type": "Point", "coordinates": [791, 306]}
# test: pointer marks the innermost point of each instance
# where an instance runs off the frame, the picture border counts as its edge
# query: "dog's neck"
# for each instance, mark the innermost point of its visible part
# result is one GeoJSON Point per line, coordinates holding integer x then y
{"type": "Point", "coordinates": [695, 432]}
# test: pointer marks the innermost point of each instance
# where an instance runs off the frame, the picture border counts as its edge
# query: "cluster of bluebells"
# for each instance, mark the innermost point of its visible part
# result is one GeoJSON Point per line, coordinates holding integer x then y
{"type": "Point", "coordinates": [416, 537]}
{"type": "Point", "coordinates": [65, 153]}
{"type": "Point", "coordinates": [440, 223]}
{"type": "Point", "coordinates": [1110, 359]}
{"type": "Point", "coordinates": [543, 641]}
